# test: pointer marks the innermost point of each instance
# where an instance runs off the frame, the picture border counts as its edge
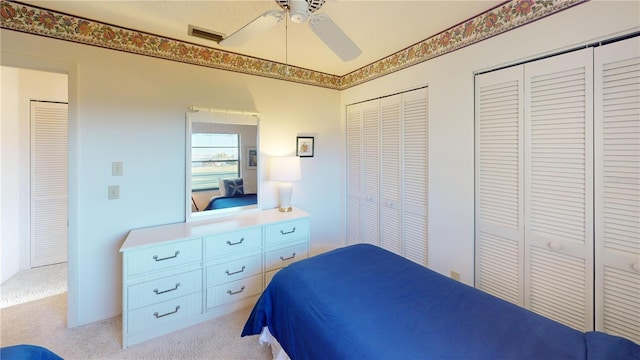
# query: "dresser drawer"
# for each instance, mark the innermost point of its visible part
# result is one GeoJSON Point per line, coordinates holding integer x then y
{"type": "Point", "coordinates": [164, 289]}
{"type": "Point", "coordinates": [234, 270]}
{"type": "Point", "coordinates": [286, 231]}
{"type": "Point", "coordinates": [279, 258]}
{"type": "Point", "coordinates": [237, 241]}
{"type": "Point", "coordinates": [168, 313]}
{"type": "Point", "coordinates": [163, 256]}
{"type": "Point", "coordinates": [234, 291]}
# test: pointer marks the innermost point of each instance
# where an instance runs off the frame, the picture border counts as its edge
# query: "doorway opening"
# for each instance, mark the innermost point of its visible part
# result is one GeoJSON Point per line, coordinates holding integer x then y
{"type": "Point", "coordinates": [34, 185]}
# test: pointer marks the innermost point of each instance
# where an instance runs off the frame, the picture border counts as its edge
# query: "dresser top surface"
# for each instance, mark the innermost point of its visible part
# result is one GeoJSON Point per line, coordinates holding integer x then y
{"type": "Point", "coordinates": [191, 230]}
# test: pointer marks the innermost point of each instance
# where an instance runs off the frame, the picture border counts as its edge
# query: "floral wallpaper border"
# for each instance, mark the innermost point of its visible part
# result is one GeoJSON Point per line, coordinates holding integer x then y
{"type": "Point", "coordinates": [38, 21]}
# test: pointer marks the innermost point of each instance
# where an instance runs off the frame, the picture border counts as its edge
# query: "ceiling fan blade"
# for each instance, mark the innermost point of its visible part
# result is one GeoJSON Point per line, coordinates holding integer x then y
{"type": "Point", "coordinates": [258, 26]}
{"type": "Point", "coordinates": [334, 37]}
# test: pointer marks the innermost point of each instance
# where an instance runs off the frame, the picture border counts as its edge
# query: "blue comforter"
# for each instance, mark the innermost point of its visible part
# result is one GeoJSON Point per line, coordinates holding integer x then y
{"type": "Point", "coordinates": [27, 352]}
{"type": "Point", "coordinates": [223, 202]}
{"type": "Point", "coordinates": [363, 302]}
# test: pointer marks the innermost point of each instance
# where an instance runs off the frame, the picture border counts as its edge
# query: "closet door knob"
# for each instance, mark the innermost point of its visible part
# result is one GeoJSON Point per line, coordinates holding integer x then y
{"type": "Point", "coordinates": [553, 245]}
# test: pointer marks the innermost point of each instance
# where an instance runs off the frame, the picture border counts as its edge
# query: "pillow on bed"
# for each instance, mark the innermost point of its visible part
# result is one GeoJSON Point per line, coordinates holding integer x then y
{"type": "Point", "coordinates": [233, 187]}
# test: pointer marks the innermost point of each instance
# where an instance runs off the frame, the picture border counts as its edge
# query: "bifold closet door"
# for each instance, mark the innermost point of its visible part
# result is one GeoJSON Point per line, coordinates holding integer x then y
{"type": "Point", "coordinates": [390, 174]}
{"type": "Point", "coordinates": [617, 180]}
{"type": "Point", "coordinates": [354, 173]}
{"type": "Point", "coordinates": [558, 128]}
{"type": "Point", "coordinates": [414, 178]}
{"type": "Point", "coordinates": [363, 127]}
{"type": "Point", "coordinates": [370, 219]}
{"type": "Point", "coordinates": [387, 173]}
{"type": "Point", "coordinates": [499, 175]}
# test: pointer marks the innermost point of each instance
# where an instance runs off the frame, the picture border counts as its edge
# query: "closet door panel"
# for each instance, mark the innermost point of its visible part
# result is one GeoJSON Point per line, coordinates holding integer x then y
{"type": "Point", "coordinates": [49, 157]}
{"type": "Point", "coordinates": [370, 172]}
{"type": "Point", "coordinates": [354, 173]}
{"type": "Point", "coordinates": [617, 180]}
{"type": "Point", "coordinates": [559, 188]}
{"type": "Point", "coordinates": [499, 184]}
{"type": "Point", "coordinates": [390, 174]}
{"type": "Point", "coordinates": [414, 178]}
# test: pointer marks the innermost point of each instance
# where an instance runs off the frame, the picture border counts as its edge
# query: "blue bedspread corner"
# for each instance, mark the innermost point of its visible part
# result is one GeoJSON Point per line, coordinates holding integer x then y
{"type": "Point", "coordinates": [604, 346]}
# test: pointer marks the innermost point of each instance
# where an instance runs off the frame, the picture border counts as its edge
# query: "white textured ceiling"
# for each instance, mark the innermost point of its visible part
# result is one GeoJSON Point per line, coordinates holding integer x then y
{"type": "Point", "coordinates": [379, 28]}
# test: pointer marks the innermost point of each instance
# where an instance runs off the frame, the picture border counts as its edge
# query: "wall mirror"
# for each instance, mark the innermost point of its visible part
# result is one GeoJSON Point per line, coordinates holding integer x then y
{"type": "Point", "coordinates": [221, 163]}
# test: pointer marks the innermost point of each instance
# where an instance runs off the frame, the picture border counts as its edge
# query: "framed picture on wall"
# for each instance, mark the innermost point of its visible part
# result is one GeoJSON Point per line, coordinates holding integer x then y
{"type": "Point", "coordinates": [252, 158]}
{"type": "Point", "coordinates": [304, 146]}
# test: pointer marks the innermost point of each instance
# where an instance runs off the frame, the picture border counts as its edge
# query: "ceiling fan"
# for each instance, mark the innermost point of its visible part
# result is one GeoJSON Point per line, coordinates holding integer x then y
{"type": "Point", "coordinates": [299, 11]}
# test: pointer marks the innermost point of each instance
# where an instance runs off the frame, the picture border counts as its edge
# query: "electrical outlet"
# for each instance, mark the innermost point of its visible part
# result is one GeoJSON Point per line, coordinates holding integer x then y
{"type": "Point", "coordinates": [116, 168]}
{"type": "Point", "coordinates": [454, 275]}
{"type": "Point", "coordinates": [114, 192]}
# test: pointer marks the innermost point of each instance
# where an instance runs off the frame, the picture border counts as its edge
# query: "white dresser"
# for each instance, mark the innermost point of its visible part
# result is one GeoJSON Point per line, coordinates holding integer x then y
{"type": "Point", "coordinates": [178, 275]}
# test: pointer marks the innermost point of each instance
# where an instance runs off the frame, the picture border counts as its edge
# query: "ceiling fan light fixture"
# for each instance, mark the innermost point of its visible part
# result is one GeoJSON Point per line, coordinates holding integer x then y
{"type": "Point", "coordinates": [298, 17]}
{"type": "Point", "coordinates": [298, 11]}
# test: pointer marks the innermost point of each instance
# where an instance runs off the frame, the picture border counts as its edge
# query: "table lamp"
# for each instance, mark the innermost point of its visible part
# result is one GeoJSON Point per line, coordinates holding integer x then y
{"type": "Point", "coordinates": [284, 170]}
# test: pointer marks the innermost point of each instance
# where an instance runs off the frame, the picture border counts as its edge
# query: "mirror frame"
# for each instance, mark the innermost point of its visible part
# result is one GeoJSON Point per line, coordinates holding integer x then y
{"type": "Point", "coordinates": [218, 117]}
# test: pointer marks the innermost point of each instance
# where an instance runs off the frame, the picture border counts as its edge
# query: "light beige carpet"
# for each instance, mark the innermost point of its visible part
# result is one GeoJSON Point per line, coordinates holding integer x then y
{"type": "Point", "coordinates": [34, 284]}
{"type": "Point", "coordinates": [43, 323]}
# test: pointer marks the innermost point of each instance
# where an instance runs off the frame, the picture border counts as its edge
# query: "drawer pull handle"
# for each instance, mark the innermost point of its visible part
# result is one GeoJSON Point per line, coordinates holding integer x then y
{"type": "Point", "coordinates": [288, 232]}
{"type": "Point", "coordinates": [155, 257]}
{"type": "Point", "coordinates": [235, 272]}
{"type": "Point", "coordinates": [235, 243]}
{"type": "Point", "coordinates": [169, 313]}
{"type": "Point", "coordinates": [166, 291]}
{"type": "Point", "coordinates": [235, 292]}
{"type": "Point", "coordinates": [288, 258]}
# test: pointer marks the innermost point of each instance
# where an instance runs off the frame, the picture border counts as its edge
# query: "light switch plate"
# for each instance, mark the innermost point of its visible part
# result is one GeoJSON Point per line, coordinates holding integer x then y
{"type": "Point", "coordinates": [116, 168]}
{"type": "Point", "coordinates": [114, 192]}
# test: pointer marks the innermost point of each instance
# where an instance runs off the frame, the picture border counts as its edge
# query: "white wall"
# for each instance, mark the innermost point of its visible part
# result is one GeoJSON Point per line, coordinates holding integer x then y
{"type": "Point", "coordinates": [451, 113]}
{"type": "Point", "coordinates": [9, 164]}
{"type": "Point", "coordinates": [19, 87]}
{"type": "Point", "coordinates": [131, 108]}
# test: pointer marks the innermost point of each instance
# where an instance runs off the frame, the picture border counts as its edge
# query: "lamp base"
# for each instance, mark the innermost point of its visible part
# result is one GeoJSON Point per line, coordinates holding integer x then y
{"type": "Point", "coordinates": [285, 189]}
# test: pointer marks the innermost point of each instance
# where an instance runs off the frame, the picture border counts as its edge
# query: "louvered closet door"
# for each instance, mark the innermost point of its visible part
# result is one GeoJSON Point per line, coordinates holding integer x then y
{"type": "Point", "coordinates": [617, 180]}
{"type": "Point", "coordinates": [49, 149]}
{"type": "Point", "coordinates": [499, 184]}
{"type": "Point", "coordinates": [354, 173]}
{"type": "Point", "coordinates": [414, 180]}
{"type": "Point", "coordinates": [390, 174]}
{"type": "Point", "coordinates": [559, 188]}
{"type": "Point", "coordinates": [370, 172]}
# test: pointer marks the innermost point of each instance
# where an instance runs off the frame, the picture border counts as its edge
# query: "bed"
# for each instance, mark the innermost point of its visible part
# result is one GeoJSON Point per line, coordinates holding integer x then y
{"type": "Point", "coordinates": [223, 202]}
{"type": "Point", "coordinates": [364, 302]}
{"type": "Point", "coordinates": [27, 352]}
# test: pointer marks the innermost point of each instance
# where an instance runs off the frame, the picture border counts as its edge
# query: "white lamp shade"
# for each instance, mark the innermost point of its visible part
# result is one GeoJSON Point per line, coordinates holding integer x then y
{"type": "Point", "coordinates": [285, 168]}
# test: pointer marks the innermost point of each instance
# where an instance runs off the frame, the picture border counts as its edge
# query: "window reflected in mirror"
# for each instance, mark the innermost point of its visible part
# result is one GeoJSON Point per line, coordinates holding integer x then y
{"type": "Point", "coordinates": [213, 157]}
